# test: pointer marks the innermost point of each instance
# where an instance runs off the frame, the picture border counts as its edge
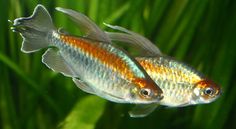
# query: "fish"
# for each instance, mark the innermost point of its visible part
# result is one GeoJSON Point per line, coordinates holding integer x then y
{"type": "Point", "coordinates": [94, 64]}
{"type": "Point", "coordinates": [181, 84]}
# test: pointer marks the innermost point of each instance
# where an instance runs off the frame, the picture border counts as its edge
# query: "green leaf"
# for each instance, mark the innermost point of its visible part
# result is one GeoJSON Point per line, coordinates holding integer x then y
{"type": "Point", "coordinates": [85, 113]}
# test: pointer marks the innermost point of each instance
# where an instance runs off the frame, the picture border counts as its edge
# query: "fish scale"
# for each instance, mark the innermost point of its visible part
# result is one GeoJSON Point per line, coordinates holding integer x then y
{"type": "Point", "coordinates": [181, 84]}
{"type": "Point", "coordinates": [175, 79]}
{"type": "Point", "coordinates": [86, 66]}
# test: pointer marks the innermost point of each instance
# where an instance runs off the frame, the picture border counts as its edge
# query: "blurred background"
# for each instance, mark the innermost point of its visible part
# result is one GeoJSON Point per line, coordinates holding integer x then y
{"type": "Point", "coordinates": [201, 33]}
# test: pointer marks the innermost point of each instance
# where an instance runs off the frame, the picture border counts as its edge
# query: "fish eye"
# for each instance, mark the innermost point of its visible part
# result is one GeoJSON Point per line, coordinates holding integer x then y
{"type": "Point", "coordinates": [145, 92]}
{"type": "Point", "coordinates": [208, 91]}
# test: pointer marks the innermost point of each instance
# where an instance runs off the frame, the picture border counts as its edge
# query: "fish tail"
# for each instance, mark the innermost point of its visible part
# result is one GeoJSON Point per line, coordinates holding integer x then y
{"type": "Point", "coordinates": [35, 29]}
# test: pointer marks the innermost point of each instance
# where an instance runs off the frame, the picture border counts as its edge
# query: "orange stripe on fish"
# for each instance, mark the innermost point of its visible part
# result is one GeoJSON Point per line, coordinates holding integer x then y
{"type": "Point", "coordinates": [108, 58]}
{"type": "Point", "coordinates": [168, 73]}
{"type": "Point", "coordinates": [102, 55]}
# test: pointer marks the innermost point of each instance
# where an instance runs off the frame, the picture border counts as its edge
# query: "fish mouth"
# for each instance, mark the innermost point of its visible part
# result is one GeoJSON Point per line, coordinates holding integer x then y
{"type": "Point", "coordinates": [212, 99]}
{"type": "Point", "coordinates": [220, 92]}
{"type": "Point", "coordinates": [218, 95]}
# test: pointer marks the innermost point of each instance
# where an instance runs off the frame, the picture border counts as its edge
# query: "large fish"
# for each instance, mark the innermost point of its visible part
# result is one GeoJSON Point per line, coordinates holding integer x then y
{"type": "Point", "coordinates": [181, 84]}
{"type": "Point", "coordinates": [96, 66]}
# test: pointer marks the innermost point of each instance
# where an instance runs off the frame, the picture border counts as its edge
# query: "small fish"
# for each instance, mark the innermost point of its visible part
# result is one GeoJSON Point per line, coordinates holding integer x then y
{"type": "Point", "coordinates": [181, 84]}
{"type": "Point", "coordinates": [96, 66]}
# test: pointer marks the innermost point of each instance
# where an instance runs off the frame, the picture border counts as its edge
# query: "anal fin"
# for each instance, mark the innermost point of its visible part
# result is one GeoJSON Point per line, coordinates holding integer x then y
{"type": "Point", "coordinates": [53, 59]}
{"type": "Point", "coordinates": [83, 86]}
{"type": "Point", "coordinates": [86, 88]}
{"type": "Point", "coordinates": [142, 110]}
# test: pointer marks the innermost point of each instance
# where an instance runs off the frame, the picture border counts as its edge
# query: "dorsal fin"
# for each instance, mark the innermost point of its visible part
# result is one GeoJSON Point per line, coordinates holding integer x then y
{"type": "Point", "coordinates": [91, 30]}
{"type": "Point", "coordinates": [133, 38]}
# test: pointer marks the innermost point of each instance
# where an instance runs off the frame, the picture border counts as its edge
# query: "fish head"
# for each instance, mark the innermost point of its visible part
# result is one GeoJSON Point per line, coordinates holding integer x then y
{"type": "Point", "coordinates": [144, 91]}
{"type": "Point", "coordinates": [205, 91]}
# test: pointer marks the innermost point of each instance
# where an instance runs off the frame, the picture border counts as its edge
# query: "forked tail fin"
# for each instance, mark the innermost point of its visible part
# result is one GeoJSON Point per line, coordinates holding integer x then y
{"type": "Point", "coordinates": [34, 29]}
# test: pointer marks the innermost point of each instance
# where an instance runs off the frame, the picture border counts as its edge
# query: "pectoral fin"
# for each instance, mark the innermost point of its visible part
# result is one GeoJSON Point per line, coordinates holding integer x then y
{"type": "Point", "coordinates": [142, 110]}
{"type": "Point", "coordinates": [133, 38]}
{"type": "Point", "coordinates": [83, 86]}
{"type": "Point", "coordinates": [53, 60]}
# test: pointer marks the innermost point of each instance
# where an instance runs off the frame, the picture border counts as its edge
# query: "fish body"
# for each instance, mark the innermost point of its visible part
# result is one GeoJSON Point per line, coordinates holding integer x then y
{"type": "Point", "coordinates": [181, 84]}
{"type": "Point", "coordinates": [107, 70]}
{"type": "Point", "coordinates": [95, 65]}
